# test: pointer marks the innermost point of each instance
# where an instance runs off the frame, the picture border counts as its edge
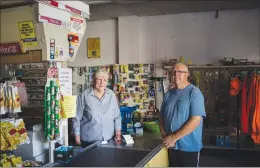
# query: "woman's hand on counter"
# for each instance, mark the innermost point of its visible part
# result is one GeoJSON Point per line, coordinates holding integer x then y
{"type": "Point", "coordinates": [118, 136]}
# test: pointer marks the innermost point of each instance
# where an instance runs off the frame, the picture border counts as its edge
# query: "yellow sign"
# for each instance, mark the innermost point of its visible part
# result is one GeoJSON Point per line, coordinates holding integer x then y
{"type": "Point", "coordinates": [27, 34]}
{"type": "Point", "coordinates": [93, 47]}
{"type": "Point", "coordinates": [68, 106]}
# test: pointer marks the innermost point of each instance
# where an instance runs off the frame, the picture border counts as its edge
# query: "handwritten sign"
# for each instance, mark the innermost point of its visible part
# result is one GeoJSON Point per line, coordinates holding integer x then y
{"type": "Point", "coordinates": [65, 78]}
{"type": "Point", "coordinates": [27, 34]}
{"type": "Point", "coordinates": [10, 48]}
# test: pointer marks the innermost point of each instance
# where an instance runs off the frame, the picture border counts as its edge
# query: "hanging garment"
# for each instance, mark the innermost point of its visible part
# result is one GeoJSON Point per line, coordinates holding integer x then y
{"type": "Point", "coordinates": [244, 114]}
{"type": "Point", "coordinates": [235, 86]}
{"type": "Point", "coordinates": [255, 135]}
{"type": "Point", "coordinates": [251, 102]}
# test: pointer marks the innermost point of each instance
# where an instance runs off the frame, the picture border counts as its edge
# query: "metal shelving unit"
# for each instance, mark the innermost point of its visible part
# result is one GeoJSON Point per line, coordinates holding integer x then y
{"type": "Point", "coordinates": [230, 69]}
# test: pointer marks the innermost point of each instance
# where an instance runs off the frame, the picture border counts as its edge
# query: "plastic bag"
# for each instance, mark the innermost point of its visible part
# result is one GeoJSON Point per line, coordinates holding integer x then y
{"type": "Point", "coordinates": [3, 143]}
{"type": "Point", "coordinates": [23, 136]}
{"type": "Point", "coordinates": [2, 100]}
{"type": "Point", "coordinates": [10, 134]}
{"type": "Point", "coordinates": [22, 93]}
{"type": "Point", "coordinates": [16, 100]}
{"type": "Point", "coordinates": [9, 100]}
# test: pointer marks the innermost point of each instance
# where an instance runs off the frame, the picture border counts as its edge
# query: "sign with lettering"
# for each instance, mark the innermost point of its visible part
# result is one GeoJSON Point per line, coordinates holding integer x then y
{"type": "Point", "coordinates": [93, 45]}
{"type": "Point", "coordinates": [10, 48]}
{"type": "Point", "coordinates": [27, 33]}
{"type": "Point", "coordinates": [46, 19]}
{"type": "Point", "coordinates": [65, 78]}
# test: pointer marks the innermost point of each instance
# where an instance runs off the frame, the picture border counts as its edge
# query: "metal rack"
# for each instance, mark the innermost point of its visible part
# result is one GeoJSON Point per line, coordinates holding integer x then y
{"type": "Point", "coordinates": [216, 66]}
{"type": "Point", "coordinates": [230, 69]}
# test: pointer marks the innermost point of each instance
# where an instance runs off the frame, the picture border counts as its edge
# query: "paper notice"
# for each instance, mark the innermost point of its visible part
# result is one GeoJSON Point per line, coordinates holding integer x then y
{"type": "Point", "coordinates": [69, 106]}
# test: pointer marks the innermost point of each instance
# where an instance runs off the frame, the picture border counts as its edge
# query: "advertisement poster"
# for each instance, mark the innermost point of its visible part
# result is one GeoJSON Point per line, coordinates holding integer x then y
{"type": "Point", "coordinates": [76, 25]}
{"type": "Point", "coordinates": [27, 34]}
{"type": "Point", "coordinates": [65, 78]}
{"type": "Point", "coordinates": [93, 45]}
{"type": "Point", "coordinates": [59, 53]}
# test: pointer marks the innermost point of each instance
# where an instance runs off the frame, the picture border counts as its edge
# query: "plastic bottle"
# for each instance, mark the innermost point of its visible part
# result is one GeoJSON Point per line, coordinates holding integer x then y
{"type": "Point", "coordinates": [222, 140]}
{"type": "Point", "coordinates": [227, 143]}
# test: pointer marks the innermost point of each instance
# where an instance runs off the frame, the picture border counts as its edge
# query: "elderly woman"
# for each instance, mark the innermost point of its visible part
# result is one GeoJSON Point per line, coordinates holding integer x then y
{"type": "Point", "coordinates": [98, 116]}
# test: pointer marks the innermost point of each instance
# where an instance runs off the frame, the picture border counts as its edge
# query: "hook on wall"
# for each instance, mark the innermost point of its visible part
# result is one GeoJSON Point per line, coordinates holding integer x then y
{"type": "Point", "coordinates": [216, 14]}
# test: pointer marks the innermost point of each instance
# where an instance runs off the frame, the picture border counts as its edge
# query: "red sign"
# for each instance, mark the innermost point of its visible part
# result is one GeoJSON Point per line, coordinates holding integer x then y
{"type": "Point", "coordinates": [50, 20]}
{"type": "Point", "coordinates": [10, 48]}
{"type": "Point", "coordinates": [61, 6]}
{"type": "Point", "coordinates": [73, 10]}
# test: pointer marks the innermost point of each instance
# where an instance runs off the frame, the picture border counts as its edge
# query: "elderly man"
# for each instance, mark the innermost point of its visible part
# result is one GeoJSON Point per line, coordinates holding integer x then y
{"type": "Point", "coordinates": [98, 116]}
{"type": "Point", "coordinates": [181, 120]}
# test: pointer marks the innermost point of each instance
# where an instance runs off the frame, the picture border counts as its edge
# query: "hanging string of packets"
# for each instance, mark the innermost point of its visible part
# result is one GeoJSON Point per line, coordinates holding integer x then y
{"type": "Point", "coordinates": [52, 111]}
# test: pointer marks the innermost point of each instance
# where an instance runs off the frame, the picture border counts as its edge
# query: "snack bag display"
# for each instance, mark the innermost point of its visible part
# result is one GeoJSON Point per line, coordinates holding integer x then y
{"type": "Point", "coordinates": [10, 134]}
{"type": "Point", "coordinates": [5, 163]}
{"type": "Point", "coordinates": [2, 100]}
{"type": "Point", "coordinates": [16, 100]}
{"type": "Point", "coordinates": [3, 143]}
{"type": "Point", "coordinates": [16, 161]}
{"type": "Point", "coordinates": [23, 136]}
{"type": "Point", "coordinates": [9, 99]}
{"type": "Point", "coordinates": [10, 161]}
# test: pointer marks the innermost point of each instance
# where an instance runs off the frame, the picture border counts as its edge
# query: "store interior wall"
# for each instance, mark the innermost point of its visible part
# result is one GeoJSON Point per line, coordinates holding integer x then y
{"type": "Point", "coordinates": [9, 23]}
{"type": "Point", "coordinates": [201, 37]}
{"type": "Point", "coordinates": [107, 32]}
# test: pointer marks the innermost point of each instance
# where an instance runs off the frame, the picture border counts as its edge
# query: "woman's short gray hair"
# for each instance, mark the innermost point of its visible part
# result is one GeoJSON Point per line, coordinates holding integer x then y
{"type": "Point", "coordinates": [100, 72]}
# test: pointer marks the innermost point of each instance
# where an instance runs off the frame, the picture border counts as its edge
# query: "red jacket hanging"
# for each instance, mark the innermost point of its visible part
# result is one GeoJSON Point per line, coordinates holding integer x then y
{"type": "Point", "coordinates": [256, 115]}
{"type": "Point", "coordinates": [244, 114]}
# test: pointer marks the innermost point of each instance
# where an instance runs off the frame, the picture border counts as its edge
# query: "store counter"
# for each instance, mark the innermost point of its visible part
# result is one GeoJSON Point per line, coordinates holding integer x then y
{"type": "Point", "coordinates": [145, 152]}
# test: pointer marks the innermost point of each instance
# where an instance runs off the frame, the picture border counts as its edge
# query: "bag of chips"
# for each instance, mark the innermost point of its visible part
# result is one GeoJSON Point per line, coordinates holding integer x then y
{"type": "Point", "coordinates": [3, 143]}
{"type": "Point", "coordinates": [2, 100]}
{"type": "Point", "coordinates": [10, 134]}
{"type": "Point", "coordinates": [23, 136]}
{"type": "Point", "coordinates": [16, 100]}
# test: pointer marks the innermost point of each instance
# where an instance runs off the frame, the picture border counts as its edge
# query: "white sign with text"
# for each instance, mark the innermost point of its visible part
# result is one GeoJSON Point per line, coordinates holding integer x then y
{"type": "Point", "coordinates": [65, 78]}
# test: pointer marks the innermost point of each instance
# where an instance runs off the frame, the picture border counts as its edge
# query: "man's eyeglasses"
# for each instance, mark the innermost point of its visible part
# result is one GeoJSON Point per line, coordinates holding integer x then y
{"type": "Point", "coordinates": [179, 72]}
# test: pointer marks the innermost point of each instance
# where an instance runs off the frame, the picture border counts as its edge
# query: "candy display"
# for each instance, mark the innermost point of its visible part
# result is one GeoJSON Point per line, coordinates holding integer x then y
{"type": "Point", "coordinates": [9, 99]}
{"type": "Point", "coordinates": [134, 87]}
{"type": "Point", "coordinates": [13, 133]}
{"type": "Point", "coordinates": [132, 84]}
{"type": "Point", "coordinates": [52, 111]}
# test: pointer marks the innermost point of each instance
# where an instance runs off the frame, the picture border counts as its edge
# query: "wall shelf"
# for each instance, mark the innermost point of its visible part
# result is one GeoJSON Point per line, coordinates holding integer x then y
{"type": "Point", "coordinates": [217, 66]}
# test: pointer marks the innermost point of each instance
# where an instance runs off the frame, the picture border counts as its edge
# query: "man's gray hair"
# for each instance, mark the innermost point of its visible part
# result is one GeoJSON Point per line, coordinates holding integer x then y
{"type": "Point", "coordinates": [180, 63]}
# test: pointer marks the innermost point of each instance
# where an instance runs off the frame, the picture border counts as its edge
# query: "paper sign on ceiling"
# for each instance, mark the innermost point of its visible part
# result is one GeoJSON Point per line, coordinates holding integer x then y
{"type": "Point", "coordinates": [76, 25]}
{"type": "Point", "coordinates": [93, 47]}
{"type": "Point", "coordinates": [27, 34]}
